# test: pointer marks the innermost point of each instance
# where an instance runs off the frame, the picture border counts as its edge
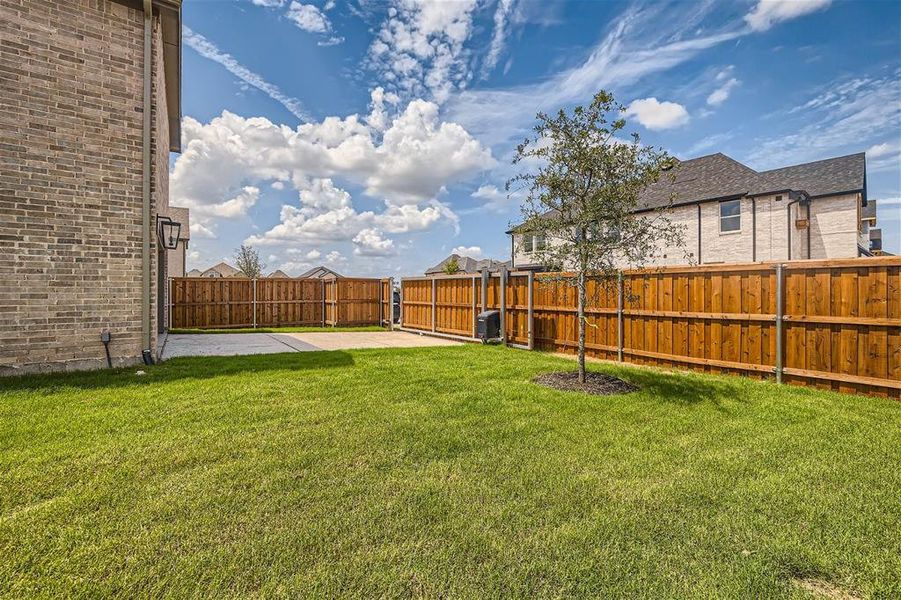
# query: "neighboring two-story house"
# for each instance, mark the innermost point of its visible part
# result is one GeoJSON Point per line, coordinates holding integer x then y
{"type": "Point", "coordinates": [731, 213]}
{"type": "Point", "coordinates": [91, 109]}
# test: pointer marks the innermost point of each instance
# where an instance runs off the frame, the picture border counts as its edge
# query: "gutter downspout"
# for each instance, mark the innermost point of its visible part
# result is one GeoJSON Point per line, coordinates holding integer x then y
{"type": "Point", "coordinates": [753, 229]}
{"type": "Point", "coordinates": [809, 227]}
{"type": "Point", "coordinates": [146, 338]}
{"type": "Point", "coordinates": [699, 233]}
{"type": "Point", "coordinates": [789, 219]}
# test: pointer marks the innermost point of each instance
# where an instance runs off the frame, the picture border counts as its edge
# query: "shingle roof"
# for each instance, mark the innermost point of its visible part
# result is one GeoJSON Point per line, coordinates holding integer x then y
{"type": "Point", "coordinates": [719, 176]}
{"type": "Point", "coordinates": [224, 269]}
{"type": "Point", "coordinates": [319, 273]}
{"type": "Point", "coordinates": [468, 264]}
{"type": "Point", "coordinates": [194, 273]}
{"type": "Point", "coordinates": [703, 178]}
{"type": "Point", "coordinates": [819, 178]}
{"type": "Point", "coordinates": [278, 274]}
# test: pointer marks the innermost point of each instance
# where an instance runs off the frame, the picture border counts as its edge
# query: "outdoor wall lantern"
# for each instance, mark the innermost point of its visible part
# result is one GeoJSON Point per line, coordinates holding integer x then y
{"type": "Point", "coordinates": [168, 232]}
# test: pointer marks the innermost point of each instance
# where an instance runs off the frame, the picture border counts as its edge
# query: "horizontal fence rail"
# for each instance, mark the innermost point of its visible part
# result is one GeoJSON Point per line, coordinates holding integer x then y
{"type": "Point", "coordinates": [233, 302]}
{"type": "Point", "coordinates": [828, 324]}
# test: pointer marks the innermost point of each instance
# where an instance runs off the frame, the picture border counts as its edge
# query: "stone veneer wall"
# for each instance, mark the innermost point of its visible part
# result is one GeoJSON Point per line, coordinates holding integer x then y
{"type": "Point", "coordinates": [70, 183]}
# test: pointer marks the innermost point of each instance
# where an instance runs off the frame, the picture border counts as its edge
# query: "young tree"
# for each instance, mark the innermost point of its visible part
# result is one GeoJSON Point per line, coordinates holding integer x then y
{"type": "Point", "coordinates": [452, 266]}
{"type": "Point", "coordinates": [247, 260]}
{"type": "Point", "coordinates": [582, 191]}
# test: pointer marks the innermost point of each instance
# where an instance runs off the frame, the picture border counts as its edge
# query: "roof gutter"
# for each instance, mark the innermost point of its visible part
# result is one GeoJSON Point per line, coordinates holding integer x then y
{"type": "Point", "coordinates": [146, 305]}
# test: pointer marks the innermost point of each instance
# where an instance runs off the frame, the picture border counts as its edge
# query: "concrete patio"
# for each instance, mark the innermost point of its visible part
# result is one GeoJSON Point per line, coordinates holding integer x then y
{"type": "Point", "coordinates": [234, 344]}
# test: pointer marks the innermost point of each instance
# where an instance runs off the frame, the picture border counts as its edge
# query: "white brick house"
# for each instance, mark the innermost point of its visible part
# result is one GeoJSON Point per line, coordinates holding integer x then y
{"type": "Point", "coordinates": [731, 213]}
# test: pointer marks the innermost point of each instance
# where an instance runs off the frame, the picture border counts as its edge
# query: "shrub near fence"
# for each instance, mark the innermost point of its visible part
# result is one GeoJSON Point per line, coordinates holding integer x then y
{"type": "Point", "coordinates": [232, 302]}
{"type": "Point", "coordinates": [838, 325]}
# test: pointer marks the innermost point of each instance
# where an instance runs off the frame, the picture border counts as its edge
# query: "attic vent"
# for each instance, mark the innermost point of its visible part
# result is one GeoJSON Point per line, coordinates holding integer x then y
{"type": "Point", "coordinates": [779, 198]}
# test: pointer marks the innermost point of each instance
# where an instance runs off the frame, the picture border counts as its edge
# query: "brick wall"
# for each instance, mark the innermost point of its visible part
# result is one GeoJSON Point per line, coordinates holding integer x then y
{"type": "Point", "coordinates": [70, 183]}
{"type": "Point", "coordinates": [833, 222]}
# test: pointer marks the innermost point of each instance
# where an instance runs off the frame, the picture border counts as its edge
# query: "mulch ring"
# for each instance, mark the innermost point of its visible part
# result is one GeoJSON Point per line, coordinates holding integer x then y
{"type": "Point", "coordinates": [595, 383]}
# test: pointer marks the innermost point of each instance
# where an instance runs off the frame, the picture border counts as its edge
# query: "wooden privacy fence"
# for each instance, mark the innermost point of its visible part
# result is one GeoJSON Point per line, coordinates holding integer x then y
{"type": "Point", "coordinates": [232, 302]}
{"type": "Point", "coordinates": [833, 324]}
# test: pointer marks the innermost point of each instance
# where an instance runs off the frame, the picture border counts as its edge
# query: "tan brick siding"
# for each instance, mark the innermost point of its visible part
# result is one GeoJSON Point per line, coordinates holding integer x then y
{"type": "Point", "coordinates": [70, 183]}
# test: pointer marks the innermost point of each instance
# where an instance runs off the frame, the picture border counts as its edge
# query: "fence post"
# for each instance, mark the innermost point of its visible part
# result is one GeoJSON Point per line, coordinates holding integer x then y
{"type": "Point", "coordinates": [475, 314]}
{"type": "Point", "coordinates": [254, 302]}
{"type": "Point", "coordinates": [484, 289]}
{"type": "Point", "coordinates": [531, 295]}
{"type": "Point", "coordinates": [391, 303]}
{"type": "Point", "coordinates": [171, 303]}
{"type": "Point", "coordinates": [619, 317]}
{"type": "Point", "coordinates": [434, 303]}
{"type": "Point", "coordinates": [503, 302]}
{"type": "Point", "coordinates": [779, 310]}
{"type": "Point", "coordinates": [322, 293]}
{"type": "Point", "coordinates": [400, 301]}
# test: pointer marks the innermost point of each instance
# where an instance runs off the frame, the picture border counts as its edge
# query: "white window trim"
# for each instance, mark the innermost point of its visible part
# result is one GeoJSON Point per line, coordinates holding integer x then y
{"type": "Point", "coordinates": [719, 217]}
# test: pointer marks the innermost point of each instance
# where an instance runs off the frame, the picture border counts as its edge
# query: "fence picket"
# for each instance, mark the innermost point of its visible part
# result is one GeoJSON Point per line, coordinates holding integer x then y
{"type": "Point", "coordinates": [748, 318]}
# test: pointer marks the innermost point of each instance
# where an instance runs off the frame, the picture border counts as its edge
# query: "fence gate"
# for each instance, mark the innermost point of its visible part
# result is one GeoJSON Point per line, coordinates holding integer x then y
{"type": "Point", "coordinates": [233, 302]}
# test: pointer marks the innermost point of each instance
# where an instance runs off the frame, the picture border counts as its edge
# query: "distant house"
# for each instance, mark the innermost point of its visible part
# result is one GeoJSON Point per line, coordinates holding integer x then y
{"type": "Point", "coordinates": [221, 270]}
{"type": "Point", "coordinates": [731, 213]}
{"type": "Point", "coordinates": [468, 264]}
{"type": "Point", "coordinates": [194, 273]}
{"type": "Point", "coordinates": [320, 273]}
{"type": "Point", "coordinates": [278, 274]}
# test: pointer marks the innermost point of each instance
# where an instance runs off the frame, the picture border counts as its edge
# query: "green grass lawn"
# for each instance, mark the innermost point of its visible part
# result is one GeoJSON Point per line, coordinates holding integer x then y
{"type": "Point", "coordinates": [282, 329]}
{"type": "Point", "coordinates": [440, 472]}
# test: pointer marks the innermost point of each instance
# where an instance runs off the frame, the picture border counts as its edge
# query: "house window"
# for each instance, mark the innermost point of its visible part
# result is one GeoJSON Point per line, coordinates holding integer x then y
{"type": "Point", "coordinates": [532, 242]}
{"type": "Point", "coordinates": [730, 216]}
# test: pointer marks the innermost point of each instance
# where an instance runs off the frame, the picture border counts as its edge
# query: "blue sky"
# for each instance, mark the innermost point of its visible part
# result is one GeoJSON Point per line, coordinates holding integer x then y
{"type": "Point", "coordinates": [375, 137]}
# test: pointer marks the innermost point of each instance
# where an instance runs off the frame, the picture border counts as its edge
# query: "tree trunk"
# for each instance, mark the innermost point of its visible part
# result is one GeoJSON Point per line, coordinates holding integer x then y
{"type": "Point", "coordinates": [581, 318]}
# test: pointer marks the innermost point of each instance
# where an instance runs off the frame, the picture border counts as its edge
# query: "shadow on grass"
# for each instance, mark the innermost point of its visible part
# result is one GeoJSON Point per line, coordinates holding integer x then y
{"type": "Point", "coordinates": [184, 368]}
{"type": "Point", "coordinates": [685, 389]}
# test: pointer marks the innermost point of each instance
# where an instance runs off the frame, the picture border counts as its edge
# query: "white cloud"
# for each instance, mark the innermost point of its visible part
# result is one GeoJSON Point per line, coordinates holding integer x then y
{"type": "Point", "coordinates": [470, 251]}
{"type": "Point", "coordinates": [726, 84]}
{"type": "Point", "coordinates": [499, 36]}
{"type": "Point", "coordinates": [369, 242]}
{"type": "Point", "coordinates": [269, 3]}
{"type": "Point", "coordinates": [313, 255]}
{"type": "Point", "coordinates": [407, 165]}
{"type": "Point", "coordinates": [419, 49]}
{"type": "Point", "coordinates": [278, 185]}
{"type": "Point", "coordinates": [844, 117]}
{"type": "Point", "coordinates": [656, 115]}
{"type": "Point", "coordinates": [642, 41]}
{"type": "Point", "coordinates": [416, 157]}
{"type": "Point", "coordinates": [495, 199]}
{"type": "Point", "coordinates": [769, 12]}
{"type": "Point", "coordinates": [878, 150]}
{"type": "Point", "coordinates": [231, 208]}
{"type": "Point", "coordinates": [308, 17]}
{"type": "Point", "coordinates": [207, 49]}
{"type": "Point", "coordinates": [199, 230]}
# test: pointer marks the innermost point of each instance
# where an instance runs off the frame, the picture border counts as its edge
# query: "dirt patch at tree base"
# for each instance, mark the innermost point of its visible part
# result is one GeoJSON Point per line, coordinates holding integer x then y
{"type": "Point", "coordinates": [595, 383]}
{"type": "Point", "coordinates": [819, 588]}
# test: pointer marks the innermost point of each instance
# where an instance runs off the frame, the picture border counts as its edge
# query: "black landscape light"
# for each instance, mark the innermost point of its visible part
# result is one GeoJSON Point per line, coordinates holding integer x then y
{"type": "Point", "coordinates": [168, 232]}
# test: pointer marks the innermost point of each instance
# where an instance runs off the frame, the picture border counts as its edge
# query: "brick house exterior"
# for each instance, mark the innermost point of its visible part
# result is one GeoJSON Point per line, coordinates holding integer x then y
{"type": "Point", "coordinates": [73, 231]}
{"type": "Point", "coordinates": [820, 206]}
